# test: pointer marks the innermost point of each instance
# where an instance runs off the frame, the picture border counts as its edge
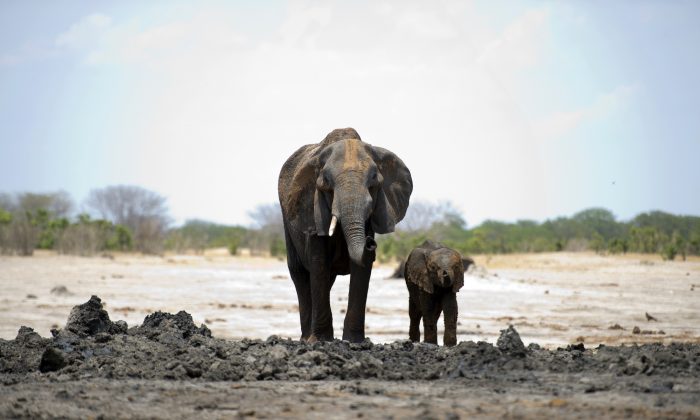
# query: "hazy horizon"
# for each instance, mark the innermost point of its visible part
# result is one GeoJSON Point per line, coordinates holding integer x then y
{"type": "Point", "coordinates": [509, 110]}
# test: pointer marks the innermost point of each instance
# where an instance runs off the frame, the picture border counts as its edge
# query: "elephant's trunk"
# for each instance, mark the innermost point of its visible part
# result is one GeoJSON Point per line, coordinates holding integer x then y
{"type": "Point", "coordinates": [360, 247]}
{"type": "Point", "coordinates": [353, 211]}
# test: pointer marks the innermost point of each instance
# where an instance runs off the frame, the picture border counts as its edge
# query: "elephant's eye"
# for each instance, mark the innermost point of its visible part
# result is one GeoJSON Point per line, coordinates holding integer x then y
{"type": "Point", "coordinates": [373, 178]}
{"type": "Point", "coordinates": [324, 182]}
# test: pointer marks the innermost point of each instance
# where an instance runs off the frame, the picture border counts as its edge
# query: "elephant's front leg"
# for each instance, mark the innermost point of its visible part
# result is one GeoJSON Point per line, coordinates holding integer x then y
{"type": "Point", "coordinates": [429, 308]}
{"type": "Point", "coordinates": [354, 325]}
{"type": "Point", "coordinates": [449, 307]}
{"type": "Point", "coordinates": [321, 316]}
{"type": "Point", "coordinates": [303, 288]}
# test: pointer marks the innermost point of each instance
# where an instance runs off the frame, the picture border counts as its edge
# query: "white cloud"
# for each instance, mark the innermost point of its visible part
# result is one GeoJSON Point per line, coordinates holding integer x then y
{"type": "Point", "coordinates": [518, 47]}
{"type": "Point", "coordinates": [427, 24]}
{"type": "Point", "coordinates": [303, 23]}
{"type": "Point", "coordinates": [613, 100]}
{"type": "Point", "coordinates": [85, 32]}
{"type": "Point", "coordinates": [222, 110]}
{"type": "Point", "coordinates": [560, 123]}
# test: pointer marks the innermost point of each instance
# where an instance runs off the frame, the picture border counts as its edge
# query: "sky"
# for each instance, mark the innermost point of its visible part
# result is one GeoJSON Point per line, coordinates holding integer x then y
{"type": "Point", "coordinates": [508, 109]}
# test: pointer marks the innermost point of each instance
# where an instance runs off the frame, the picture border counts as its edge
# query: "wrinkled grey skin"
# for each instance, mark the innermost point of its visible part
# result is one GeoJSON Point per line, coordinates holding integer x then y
{"type": "Point", "coordinates": [398, 273]}
{"type": "Point", "coordinates": [367, 188]}
{"type": "Point", "coordinates": [434, 274]}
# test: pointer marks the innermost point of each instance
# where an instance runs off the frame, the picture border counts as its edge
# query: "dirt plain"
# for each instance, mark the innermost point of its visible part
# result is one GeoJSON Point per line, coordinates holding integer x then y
{"type": "Point", "coordinates": [580, 354]}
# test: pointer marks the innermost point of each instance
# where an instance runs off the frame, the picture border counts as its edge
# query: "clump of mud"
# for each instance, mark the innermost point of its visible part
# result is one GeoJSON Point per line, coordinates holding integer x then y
{"type": "Point", "coordinates": [509, 342]}
{"type": "Point", "coordinates": [61, 290]}
{"type": "Point", "coordinates": [90, 318]}
{"type": "Point", "coordinates": [168, 346]}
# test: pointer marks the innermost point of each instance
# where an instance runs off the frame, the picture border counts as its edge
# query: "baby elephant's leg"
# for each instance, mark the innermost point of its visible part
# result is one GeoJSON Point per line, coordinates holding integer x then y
{"type": "Point", "coordinates": [449, 306]}
{"type": "Point", "coordinates": [415, 316]}
{"type": "Point", "coordinates": [429, 306]}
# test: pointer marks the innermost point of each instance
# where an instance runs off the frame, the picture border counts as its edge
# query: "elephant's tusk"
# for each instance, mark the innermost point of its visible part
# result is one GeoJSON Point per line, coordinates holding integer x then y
{"type": "Point", "coordinates": [331, 229]}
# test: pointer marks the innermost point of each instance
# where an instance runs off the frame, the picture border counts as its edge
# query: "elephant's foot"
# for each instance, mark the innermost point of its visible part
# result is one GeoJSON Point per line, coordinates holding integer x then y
{"type": "Point", "coordinates": [414, 335]}
{"type": "Point", "coordinates": [430, 338]}
{"type": "Point", "coordinates": [320, 337]}
{"type": "Point", "coordinates": [354, 336]}
{"type": "Point", "coordinates": [430, 333]}
{"type": "Point", "coordinates": [450, 341]}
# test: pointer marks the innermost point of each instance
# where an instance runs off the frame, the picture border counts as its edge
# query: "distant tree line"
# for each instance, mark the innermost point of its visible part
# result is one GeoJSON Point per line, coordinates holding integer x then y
{"type": "Point", "coordinates": [117, 218]}
{"type": "Point", "coordinates": [131, 218]}
{"type": "Point", "coordinates": [124, 218]}
{"type": "Point", "coordinates": [594, 229]}
{"type": "Point", "coordinates": [265, 237]}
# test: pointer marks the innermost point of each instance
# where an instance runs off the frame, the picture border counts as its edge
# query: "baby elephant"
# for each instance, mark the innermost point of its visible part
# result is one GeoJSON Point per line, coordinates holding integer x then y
{"type": "Point", "coordinates": [434, 274]}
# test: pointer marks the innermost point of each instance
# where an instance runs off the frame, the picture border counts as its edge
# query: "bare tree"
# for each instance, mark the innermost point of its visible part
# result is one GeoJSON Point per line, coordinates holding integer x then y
{"type": "Point", "coordinates": [81, 239]}
{"type": "Point", "coordinates": [421, 215]}
{"type": "Point", "coordinates": [267, 234]}
{"type": "Point", "coordinates": [7, 202]}
{"type": "Point", "coordinates": [143, 211]}
{"type": "Point", "coordinates": [58, 204]}
{"type": "Point", "coordinates": [266, 215]}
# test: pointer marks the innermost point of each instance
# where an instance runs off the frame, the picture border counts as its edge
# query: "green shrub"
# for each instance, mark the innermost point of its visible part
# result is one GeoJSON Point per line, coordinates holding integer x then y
{"type": "Point", "coordinates": [278, 248]}
{"type": "Point", "coordinates": [669, 252]}
{"type": "Point", "coordinates": [618, 246]}
{"type": "Point", "coordinates": [5, 217]}
{"type": "Point", "coordinates": [119, 239]}
{"type": "Point", "coordinates": [233, 245]}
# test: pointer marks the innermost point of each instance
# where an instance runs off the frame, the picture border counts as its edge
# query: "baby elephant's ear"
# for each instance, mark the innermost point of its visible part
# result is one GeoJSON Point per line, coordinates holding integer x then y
{"type": "Point", "coordinates": [466, 262]}
{"type": "Point", "coordinates": [459, 281]}
{"type": "Point", "coordinates": [416, 270]}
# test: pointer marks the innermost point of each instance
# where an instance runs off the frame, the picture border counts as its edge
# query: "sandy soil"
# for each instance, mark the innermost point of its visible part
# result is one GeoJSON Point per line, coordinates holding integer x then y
{"type": "Point", "coordinates": [338, 400]}
{"type": "Point", "coordinates": [171, 367]}
{"type": "Point", "coordinates": [552, 299]}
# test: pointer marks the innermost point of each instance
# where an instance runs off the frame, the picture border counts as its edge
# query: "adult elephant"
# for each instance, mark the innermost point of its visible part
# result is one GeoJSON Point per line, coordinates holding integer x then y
{"type": "Point", "coordinates": [340, 184]}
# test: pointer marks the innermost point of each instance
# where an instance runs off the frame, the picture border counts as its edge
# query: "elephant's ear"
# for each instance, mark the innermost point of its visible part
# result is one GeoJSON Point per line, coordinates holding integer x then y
{"type": "Point", "coordinates": [322, 213]}
{"type": "Point", "coordinates": [299, 186]}
{"type": "Point", "coordinates": [394, 191]}
{"type": "Point", "coordinates": [459, 280]}
{"type": "Point", "coordinates": [466, 262]}
{"type": "Point", "coordinates": [416, 270]}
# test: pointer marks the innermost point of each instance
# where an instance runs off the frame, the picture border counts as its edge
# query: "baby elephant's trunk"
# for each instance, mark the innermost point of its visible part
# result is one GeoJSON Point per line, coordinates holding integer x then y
{"type": "Point", "coordinates": [445, 278]}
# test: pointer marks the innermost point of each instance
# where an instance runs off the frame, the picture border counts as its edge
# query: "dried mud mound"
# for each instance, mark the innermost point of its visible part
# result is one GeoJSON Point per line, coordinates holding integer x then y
{"type": "Point", "coordinates": [168, 346]}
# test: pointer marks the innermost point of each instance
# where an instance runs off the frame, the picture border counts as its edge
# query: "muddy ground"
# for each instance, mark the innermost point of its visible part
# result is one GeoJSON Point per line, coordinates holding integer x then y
{"type": "Point", "coordinates": [170, 367]}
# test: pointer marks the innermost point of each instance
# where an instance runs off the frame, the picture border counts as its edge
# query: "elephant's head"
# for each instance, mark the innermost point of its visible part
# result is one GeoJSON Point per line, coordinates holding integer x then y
{"type": "Point", "coordinates": [445, 269]}
{"type": "Point", "coordinates": [357, 185]}
{"type": "Point", "coordinates": [436, 266]}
